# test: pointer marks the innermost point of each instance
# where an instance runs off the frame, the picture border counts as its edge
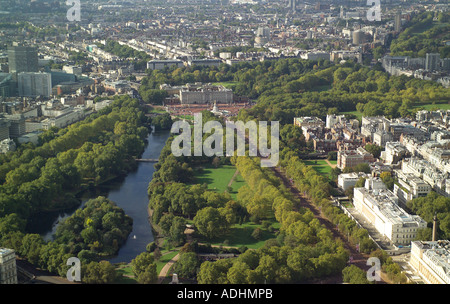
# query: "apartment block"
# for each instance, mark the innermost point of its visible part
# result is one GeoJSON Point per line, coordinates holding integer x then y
{"type": "Point", "coordinates": [351, 158]}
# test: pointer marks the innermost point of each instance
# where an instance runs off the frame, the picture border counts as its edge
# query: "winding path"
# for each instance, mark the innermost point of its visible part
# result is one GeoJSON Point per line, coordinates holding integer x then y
{"type": "Point", "coordinates": [165, 270]}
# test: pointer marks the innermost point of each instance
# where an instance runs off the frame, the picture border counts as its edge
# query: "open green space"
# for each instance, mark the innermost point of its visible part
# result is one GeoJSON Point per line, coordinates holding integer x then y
{"type": "Point", "coordinates": [227, 84]}
{"type": "Point", "coordinates": [241, 235]}
{"type": "Point", "coordinates": [218, 178]}
{"type": "Point", "coordinates": [431, 106]}
{"type": "Point", "coordinates": [126, 275]}
{"type": "Point", "coordinates": [356, 113]}
{"type": "Point", "coordinates": [320, 165]}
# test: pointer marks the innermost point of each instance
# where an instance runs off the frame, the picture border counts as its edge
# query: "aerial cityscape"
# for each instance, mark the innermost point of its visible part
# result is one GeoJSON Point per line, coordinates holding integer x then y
{"type": "Point", "coordinates": [199, 143]}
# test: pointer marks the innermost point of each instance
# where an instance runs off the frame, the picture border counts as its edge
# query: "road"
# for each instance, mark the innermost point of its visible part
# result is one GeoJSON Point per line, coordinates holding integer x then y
{"type": "Point", "coordinates": [40, 276]}
{"type": "Point", "coordinates": [359, 259]}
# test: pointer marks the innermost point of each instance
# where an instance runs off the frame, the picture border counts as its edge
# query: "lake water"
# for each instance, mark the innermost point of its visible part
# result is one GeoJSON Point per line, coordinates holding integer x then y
{"type": "Point", "coordinates": [129, 193]}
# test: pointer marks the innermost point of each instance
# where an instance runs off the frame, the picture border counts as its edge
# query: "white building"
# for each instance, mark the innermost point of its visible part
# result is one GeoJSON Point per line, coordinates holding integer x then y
{"type": "Point", "coordinates": [34, 84]}
{"type": "Point", "coordinates": [410, 186]}
{"type": "Point", "coordinates": [394, 152]}
{"type": "Point", "coordinates": [65, 119]}
{"type": "Point", "coordinates": [8, 269]}
{"type": "Point", "coordinates": [334, 119]}
{"type": "Point", "coordinates": [431, 260]}
{"type": "Point", "coordinates": [380, 207]}
{"type": "Point", "coordinates": [347, 180]}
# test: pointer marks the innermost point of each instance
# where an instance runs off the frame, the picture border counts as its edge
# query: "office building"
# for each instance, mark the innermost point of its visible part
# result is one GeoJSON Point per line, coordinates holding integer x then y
{"type": "Point", "coordinates": [293, 5]}
{"type": "Point", "coordinates": [34, 84]}
{"type": "Point", "coordinates": [8, 268]}
{"type": "Point", "coordinates": [5, 124]}
{"type": "Point", "coordinates": [22, 59]}
{"type": "Point", "coordinates": [398, 23]}
{"type": "Point", "coordinates": [431, 260]}
{"type": "Point", "coordinates": [7, 85]}
{"type": "Point", "coordinates": [161, 64]}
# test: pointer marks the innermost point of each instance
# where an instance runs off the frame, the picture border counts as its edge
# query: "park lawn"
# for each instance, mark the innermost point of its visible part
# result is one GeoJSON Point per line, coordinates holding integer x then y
{"type": "Point", "coordinates": [430, 106]}
{"type": "Point", "coordinates": [126, 275]}
{"type": "Point", "coordinates": [227, 84]}
{"type": "Point", "coordinates": [217, 179]}
{"type": "Point", "coordinates": [188, 117]}
{"type": "Point", "coordinates": [321, 166]}
{"type": "Point", "coordinates": [241, 235]}
{"type": "Point", "coordinates": [166, 257]}
{"type": "Point", "coordinates": [238, 182]}
{"type": "Point", "coordinates": [356, 113]}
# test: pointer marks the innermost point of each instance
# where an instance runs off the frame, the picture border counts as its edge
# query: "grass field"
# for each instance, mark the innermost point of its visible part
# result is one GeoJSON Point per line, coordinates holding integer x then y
{"type": "Point", "coordinates": [126, 275]}
{"type": "Point", "coordinates": [227, 84]}
{"type": "Point", "coordinates": [241, 235]}
{"type": "Point", "coordinates": [356, 113]}
{"type": "Point", "coordinates": [438, 106]}
{"type": "Point", "coordinates": [320, 165]}
{"type": "Point", "coordinates": [217, 179]}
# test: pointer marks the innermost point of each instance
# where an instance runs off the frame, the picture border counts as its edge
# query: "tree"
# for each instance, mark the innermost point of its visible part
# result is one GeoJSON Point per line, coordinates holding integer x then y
{"type": "Point", "coordinates": [257, 233]}
{"type": "Point", "coordinates": [238, 273]}
{"type": "Point", "coordinates": [141, 262]}
{"type": "Point", "coordinates": [374, 149]}
{"type": "Point", "coordinates": [102, 272]}
{"type": "Point", "coordinates": [187, 264]}
{"type": "Point", "coordinates": [148, 276]}
{"type": "Point", "coordinates": [210, 223]}
{"type": "Point", "coordinates": [354, 275]}
{"type": "Point", "coordinates": [387, 179]}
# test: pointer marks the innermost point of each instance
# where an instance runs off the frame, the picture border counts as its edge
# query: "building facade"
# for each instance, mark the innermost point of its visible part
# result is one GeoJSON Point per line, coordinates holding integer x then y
{"type": "Point", "coordinates": [380, 207]}
{"type": "Point", "coordinates": [8, 268]}
{"type": "Point", "coordinates": [431, 260]}
{"type": "Point", "coordinates": [34, 84]}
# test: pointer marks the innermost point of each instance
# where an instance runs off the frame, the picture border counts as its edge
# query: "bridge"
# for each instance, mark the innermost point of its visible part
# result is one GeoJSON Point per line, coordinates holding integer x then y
{"type": "Point", "coordinates": [147, 160]}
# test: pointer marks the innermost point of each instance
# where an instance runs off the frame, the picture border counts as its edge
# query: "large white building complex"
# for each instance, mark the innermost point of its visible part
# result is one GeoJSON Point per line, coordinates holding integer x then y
{"type": "Point", "coordinates": [432, 260]}
{"type": "Point", "coordinates": [206, 93]}
{"type": "Point", "coordinates": [380, 207]}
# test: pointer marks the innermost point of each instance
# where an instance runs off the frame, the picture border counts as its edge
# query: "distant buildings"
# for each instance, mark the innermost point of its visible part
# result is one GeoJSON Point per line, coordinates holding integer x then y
{"type": "Point", "coordinates": [398, 23]}
{"type": "Point", "coordinates": [432, 61]}
{"type": "Point", "coordinates": [431, 260]}
{"type": "Point", "coordinates": [161, 64]}
{"type": "Point", "coordinates": [8, 268]}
